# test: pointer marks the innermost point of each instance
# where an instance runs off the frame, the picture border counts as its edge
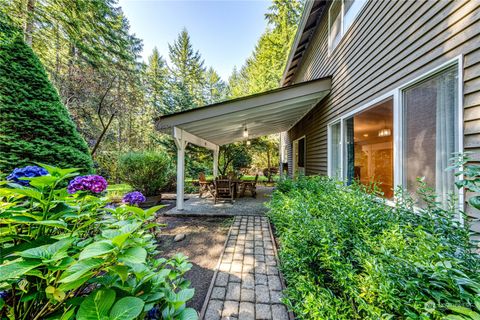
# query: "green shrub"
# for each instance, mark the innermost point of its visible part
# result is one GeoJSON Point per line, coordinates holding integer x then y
{"type": "Point", "coordinates": [34, 125]}
{"type": "Point", "coordinates": [67, 256]}
{"type": "Point", "coordinates": [148, 172]}
{"type": "Point", "coordinates": [345, 254]}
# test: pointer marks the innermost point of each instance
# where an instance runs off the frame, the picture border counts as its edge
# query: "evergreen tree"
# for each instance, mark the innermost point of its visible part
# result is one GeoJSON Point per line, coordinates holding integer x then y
{"type": "Point", "coordinates": [188, 74]}
{"type": "Point", "coordinates": [34, 125]}
{"type": "Point", "coordinates": [157, 80]}
{"type": "Point", "coordinates": [215, 88]}
{"type": "Point", "coordinates": [263, 70]}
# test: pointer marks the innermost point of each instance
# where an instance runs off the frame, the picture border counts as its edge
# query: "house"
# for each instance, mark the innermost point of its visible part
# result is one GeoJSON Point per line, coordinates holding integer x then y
{"type": "Point", "coordinates": [378, 91]}
{"type": "Point", "coordinates": [405, 92]}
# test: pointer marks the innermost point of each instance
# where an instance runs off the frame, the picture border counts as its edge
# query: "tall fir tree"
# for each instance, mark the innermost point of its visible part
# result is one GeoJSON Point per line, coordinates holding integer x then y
{"type": "Point", "coordinates": [215, 89]}
{"type": "Point", "coordinates": [34, 125]}
{"type": "Point", "coordinates": [188, 74]}
{"type": "Point", "coordinates": [263, 69]}
{"type": "Point", "coordinates": [156, 75]}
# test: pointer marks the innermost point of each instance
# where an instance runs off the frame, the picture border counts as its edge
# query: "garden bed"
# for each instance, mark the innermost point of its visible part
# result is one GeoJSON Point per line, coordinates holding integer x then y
{"type": "Point", "coordinates": [203, 244]}
{"type": "Point", "coordinates": [345, 254]}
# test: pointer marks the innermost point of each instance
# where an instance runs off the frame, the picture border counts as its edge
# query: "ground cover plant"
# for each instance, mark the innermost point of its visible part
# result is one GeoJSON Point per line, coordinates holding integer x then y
{"type": "Point", "coordinates": [345, 254]}
{"type": "Point", "coordinates": [66, 254]}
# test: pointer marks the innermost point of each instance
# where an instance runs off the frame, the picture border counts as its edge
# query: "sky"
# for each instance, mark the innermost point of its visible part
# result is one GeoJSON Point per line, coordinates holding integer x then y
{"type": "Point", "coordinates": [223, 31]}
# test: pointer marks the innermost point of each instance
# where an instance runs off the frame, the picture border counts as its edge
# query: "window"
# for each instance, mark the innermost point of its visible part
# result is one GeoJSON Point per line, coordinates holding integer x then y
{"type": "Point", "coordinates": [341, 15]}
{"type": "Point", "coordinates": [335, 155]}
{"type": "Point", "coordinates": [409, 133]}
{"type": "Point", "coordinates": [369, 147]}
{"type": "Point", "coordinates": [299, 157]}
{"type": "Point", "coordinates": [430, 116]}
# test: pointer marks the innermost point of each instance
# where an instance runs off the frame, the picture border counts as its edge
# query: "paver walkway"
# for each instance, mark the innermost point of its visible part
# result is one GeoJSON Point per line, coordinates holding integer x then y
{"type": "Point", "coordinates": [247, 284]}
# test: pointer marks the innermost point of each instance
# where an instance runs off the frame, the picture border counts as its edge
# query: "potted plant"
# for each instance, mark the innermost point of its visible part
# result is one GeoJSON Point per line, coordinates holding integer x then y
{"type": "Point", "coordinates": [148, 172]}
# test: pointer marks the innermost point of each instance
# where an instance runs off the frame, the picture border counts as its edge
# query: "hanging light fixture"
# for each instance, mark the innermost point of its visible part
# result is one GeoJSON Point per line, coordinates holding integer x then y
{"type": "Point", "coordinates": [245, 132]}
{"type": "Point", "coordinates": [385, 132]}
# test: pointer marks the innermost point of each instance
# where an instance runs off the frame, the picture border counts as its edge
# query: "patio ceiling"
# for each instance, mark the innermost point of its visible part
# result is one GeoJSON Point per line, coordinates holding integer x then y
{"type": "Point", "coordinates": [262, 114]}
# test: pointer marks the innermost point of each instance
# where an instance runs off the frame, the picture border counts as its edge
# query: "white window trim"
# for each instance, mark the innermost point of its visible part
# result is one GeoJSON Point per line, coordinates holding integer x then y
{"type": "Point", "coordinates": [294, 158]}
{"type": "Point", "coordinates": [343, 31]}
{"type": "Point", "coordinates": [396, 95]}
{"type": "Point", "coordinates": [330, 148]}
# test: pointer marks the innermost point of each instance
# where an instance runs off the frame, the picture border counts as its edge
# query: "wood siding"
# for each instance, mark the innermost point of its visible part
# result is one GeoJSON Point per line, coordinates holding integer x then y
{"type": "Point", "coordinates": [389, 44]}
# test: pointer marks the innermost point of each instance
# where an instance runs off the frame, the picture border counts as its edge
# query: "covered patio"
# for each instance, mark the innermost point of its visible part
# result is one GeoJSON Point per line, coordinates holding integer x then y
{"type": "Point", "coordinates": [239, 119]}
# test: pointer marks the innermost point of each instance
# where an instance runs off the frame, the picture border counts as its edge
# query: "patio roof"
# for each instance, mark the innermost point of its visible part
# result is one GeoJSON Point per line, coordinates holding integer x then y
{"type": "Point", "coordinates": [262, 114]}
{"type": "Point", "coordinates": [223, 123]}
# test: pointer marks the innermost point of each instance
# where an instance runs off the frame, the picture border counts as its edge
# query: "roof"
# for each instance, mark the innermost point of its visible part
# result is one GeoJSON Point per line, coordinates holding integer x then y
{"type": "Point", "coordinates": [312, 14]}
{"type": "Point", "coordinates": [265, 113]}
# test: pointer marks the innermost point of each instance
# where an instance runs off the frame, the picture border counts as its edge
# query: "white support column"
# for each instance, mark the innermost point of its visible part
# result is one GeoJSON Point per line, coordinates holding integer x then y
{"type": "Point", "coordinates": [280, 152]}
{"type": "Point", "coordinates": [181, 145]}
{"type": "Point", "coordinates": [182, 138]}
{"type": "Point", "coordinates": [215, 161]}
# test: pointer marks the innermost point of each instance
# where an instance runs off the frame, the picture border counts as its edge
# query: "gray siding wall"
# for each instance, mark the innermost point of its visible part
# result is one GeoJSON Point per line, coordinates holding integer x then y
{"type": "Point", "coordinates": [389, 44]}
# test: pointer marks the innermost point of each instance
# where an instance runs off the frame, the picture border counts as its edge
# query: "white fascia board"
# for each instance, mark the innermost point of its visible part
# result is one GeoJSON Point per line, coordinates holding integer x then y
{"type": "Point", "coordinates": [309, 89]}
{"type": "Point", "coordinates": [181, 134]}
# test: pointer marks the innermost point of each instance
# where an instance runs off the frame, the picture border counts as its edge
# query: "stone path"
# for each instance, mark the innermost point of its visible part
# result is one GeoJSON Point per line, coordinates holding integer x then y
{"type": "Point", "coordinates": [247, 284]}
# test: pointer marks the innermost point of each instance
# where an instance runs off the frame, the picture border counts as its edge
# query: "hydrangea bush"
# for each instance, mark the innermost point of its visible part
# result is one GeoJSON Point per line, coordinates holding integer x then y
{"type": "Point", "coordinates": [65, 255]}
{"type": "Point", "coordinates": [134, 198]}
{"type": "Point", "coordinates": [20, 175]}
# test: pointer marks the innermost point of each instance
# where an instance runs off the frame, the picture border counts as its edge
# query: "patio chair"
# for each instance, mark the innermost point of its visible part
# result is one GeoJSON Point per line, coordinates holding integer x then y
{"type": "Point", "coordinates": [205, 186]}
{"type": "Point", "coordinates": [250, 186]}
{"type": "Point", "coordinates": [223, 190]}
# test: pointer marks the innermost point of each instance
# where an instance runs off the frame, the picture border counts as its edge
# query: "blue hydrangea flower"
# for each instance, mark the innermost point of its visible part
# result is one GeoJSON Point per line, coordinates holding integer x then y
{"type": "Point", "coordinates": [4, 294]}
{"type": "Point", "coordinates": [28, 172]}
{"type": "Point", "coordinates": [153, 314]}
{"type": "Point", "coordinates": [135, 197]}
{"type": "Point", "coordinates": [93, 183]}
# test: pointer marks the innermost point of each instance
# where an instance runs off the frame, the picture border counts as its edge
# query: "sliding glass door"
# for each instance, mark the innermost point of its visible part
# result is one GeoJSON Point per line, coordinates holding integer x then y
{"type": "Point", "coordinates": [430, 114]}
{"type": "Point", "coordinates": [369, 147]}
{"type": "Point", "coordinates": [364, 145]}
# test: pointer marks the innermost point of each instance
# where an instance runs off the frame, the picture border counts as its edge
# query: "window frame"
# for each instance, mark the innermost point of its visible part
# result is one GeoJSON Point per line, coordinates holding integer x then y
{"type": "Point", "coordinates": [398, 122]}
{"type": "Point", "coordinates": [343, 30]}
{"type": "Point", "coordinates": [294, 158]}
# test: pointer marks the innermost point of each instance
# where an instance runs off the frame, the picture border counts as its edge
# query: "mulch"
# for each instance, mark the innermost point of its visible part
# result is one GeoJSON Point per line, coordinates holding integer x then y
{"type": "Point", "coordinates": [203, 244]}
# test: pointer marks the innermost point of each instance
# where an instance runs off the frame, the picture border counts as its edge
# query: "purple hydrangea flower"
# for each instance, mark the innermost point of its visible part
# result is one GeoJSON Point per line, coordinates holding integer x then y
{"type": "Point", "coordinates": [4, 294]}
{"type": "Point", "coordinates": [28, 172]}
{"type": "Point", "coordinates": [93, 183]}
{"type": "Point", "coordinates": [135, 197]}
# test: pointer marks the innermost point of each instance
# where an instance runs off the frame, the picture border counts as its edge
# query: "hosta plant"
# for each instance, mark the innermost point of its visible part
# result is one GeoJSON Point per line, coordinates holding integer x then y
{"type": "Point", "coordinates": [66, 255]}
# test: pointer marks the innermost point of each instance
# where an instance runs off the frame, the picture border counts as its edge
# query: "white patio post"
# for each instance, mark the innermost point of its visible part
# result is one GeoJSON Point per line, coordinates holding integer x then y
{"type": "Point", "coordinates": [181, 145]}
{"type": "Point", "coordinates": [280, 152]}
{"type": "Point", "coordinates": [215, 161]}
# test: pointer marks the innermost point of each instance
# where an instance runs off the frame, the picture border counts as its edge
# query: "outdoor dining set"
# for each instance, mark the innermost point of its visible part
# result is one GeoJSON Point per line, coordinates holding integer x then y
{"type": "Point", "coordinates": [227, 187]}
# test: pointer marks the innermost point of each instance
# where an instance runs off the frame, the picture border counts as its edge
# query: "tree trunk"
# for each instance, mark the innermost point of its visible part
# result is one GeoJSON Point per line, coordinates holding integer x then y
{"type": "Point", "coordinates": [105, 128]}
{"type": "Point", "coordinates": [29, 21]}
{"type": "Point", "coordinates": [269, 165]}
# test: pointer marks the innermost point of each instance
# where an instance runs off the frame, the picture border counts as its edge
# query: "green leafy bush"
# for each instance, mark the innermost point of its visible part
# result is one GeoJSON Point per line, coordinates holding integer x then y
{"type": "Point", "coordinates": [68, 255]}
{"type": "Point", "coordinates": [345, 254]}
{"type": "Point", "coordinates": [34, 125]}
{"type": "Point", "coordinates": [148, 172]}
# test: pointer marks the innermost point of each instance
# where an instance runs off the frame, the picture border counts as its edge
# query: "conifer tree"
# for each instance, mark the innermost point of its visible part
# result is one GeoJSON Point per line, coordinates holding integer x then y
{"type": "Point", "coordinates": [157, 81]}
{"type": "Point", "coordinates": [34, 125]}
{"type": "Point", "coordinates": [215, 88]}
{"type": "Point", "coordinates": [188, 74]}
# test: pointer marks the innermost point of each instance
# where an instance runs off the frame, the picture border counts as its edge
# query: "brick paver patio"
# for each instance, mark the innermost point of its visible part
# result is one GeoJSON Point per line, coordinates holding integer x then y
{"type": "Point", "coordinates": [247, 284]}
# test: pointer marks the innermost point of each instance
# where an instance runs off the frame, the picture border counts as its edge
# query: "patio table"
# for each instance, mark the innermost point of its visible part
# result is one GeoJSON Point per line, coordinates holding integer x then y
{"type": "Point", "coordinates": [236, 186]}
